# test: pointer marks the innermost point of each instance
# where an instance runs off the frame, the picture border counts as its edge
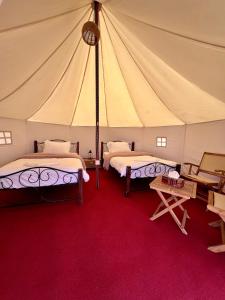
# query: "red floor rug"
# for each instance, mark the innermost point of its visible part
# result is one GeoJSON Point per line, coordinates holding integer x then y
{"type": "Point", "coordinates": [108, 249]}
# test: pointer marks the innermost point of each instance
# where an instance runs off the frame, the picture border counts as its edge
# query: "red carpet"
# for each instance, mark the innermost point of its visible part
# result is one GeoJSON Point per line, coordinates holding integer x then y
{"type": "Point", "coordinates": [107, 249]}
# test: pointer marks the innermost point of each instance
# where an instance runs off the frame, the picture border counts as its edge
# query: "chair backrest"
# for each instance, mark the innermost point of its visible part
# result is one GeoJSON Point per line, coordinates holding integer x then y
{"type": "Point", "coordinates": [212, 161]}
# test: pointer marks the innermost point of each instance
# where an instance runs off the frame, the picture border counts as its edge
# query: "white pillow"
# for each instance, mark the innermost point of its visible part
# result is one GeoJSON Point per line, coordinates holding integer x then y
{"type": "Point", "coordinates": [118, 147]}
{"type": "Point", "coordinates": [56, 147]}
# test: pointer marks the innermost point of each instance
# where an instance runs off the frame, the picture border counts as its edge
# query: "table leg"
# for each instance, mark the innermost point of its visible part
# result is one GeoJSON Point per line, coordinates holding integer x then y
{"type": "Point", "coordinates": [179, 224]}
{"type": "Point", "coordinates": [169, 208]}
{"type": "Point", "coordinates": [181, 206]}
{"type": "Point", "coordinates": [161, 204]}
{"type": "Point", "coordinates": [217, 248]}
{"type": "Point", "coordinates": [169, 200]}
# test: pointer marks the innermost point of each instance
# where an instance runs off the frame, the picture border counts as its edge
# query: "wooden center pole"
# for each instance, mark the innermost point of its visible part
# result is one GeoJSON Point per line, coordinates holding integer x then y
{"type": "Point", "coordinates": [97, 7]}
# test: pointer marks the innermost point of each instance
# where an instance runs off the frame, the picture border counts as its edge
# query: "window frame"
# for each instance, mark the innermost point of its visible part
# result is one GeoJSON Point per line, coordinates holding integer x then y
{"type": "Point", "coordinates": [6, 137]}
{"type": "Point", "coordinates": [161, 141]}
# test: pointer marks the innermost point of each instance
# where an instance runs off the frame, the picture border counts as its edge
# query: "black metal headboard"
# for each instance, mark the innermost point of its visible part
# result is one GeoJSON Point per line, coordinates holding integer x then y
{"type": "Point", "coordinates": [103, 145]}
{"type": "Point", "coordinates": [75, 146]}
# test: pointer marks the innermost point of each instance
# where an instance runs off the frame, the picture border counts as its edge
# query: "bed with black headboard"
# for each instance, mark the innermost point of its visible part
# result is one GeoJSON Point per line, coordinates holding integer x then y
{"type": "Point", "coordinates": [53, 163]}
{"type": "Point", "coordinates": [134, 165]}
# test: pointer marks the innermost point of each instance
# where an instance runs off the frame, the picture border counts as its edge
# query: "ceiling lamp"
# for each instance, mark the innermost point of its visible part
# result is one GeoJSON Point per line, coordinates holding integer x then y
{"type": "Point", "coordinates": [90, 33]}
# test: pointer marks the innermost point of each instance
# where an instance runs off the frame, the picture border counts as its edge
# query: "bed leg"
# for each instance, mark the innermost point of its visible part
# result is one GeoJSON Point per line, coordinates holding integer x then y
{"type": "Point", "coordinates": [78, 147]}
{"type": "Point", "coordinates": [178, 168]}
{"type": "Point", "coordinates": [35, 147]}
{"type": "Point", "coordinates": [128, 174]}
{"type": "Point", "coordinates": [101, 157]}
{"type": "Point", "coordinates": [80, 184]}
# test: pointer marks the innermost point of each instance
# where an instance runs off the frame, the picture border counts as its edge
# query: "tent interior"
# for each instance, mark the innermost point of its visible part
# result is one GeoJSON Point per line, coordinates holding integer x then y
{"type": "Point", "coordinates": [184, 143]}
{"type": "Point", "coordinates": [161, 69]}
{"type": "Point", "coordinates": [161, 74]}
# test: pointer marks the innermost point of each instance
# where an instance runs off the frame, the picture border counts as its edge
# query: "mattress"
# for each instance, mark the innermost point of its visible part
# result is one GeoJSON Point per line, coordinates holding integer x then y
{"type": "Point", "coordinates": [40, 172]}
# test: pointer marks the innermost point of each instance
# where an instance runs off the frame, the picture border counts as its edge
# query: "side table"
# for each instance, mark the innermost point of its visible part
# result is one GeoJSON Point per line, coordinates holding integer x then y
{"type": "Point", "coordinates": [90, 163]}
{"type": "Point", "coordinates": [177, 196]}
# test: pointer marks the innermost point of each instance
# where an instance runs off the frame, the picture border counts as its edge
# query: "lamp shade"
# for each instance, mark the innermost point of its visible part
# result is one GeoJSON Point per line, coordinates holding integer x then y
{"type": "Point", "coordinates": [90, 33]}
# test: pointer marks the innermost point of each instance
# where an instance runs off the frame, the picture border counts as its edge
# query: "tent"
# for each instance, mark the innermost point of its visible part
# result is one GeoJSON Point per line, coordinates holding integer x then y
{"type": "Point", "coordinates": [161, 62]}
{"type": "Point", "coordinates": [162, 70]}
{"type": "Point", "coordinates": [162, 65]}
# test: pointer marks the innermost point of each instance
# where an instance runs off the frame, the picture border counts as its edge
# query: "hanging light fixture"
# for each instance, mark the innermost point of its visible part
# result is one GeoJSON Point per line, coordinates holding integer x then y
{"type": "Point", "coordinates": [90, 33]}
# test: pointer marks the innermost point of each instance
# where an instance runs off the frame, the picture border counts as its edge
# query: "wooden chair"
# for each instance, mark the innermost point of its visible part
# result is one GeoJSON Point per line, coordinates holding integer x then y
{"type": "Point", "coordinates": [210, 173]}
{"type": "Point", "coordinates": [216, 204]}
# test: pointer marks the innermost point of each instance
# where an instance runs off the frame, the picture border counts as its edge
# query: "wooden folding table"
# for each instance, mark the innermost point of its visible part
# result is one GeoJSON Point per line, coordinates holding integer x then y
{"type": "Point", "coordinates": [177, 196]}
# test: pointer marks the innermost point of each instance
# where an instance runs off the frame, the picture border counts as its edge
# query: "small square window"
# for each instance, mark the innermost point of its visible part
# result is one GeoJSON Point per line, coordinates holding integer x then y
{"type": "Point", "coordinates": [8, 141]}
{"type": "Point", "coordinates": [5, 137]}
{"type": "Point", "coordinates": [161, 141]}
{"type": "Point", "coordinates": [7, 134]}
{"type": "Point", "coordinates": [2, 141]}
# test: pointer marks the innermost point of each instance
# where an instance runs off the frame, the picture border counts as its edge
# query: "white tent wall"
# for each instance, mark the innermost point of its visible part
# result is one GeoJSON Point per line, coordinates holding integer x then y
{"type": "Point", "coordinates": [85, 135]}
{"type": "Point", "coordinates": [24, 133]}
{"type": "Point", "coordinates": [184, 143]}
{"type": "Point", "coordinates": [145, 139]}
{"type": "Point", "coordinates": [19, 139]}
{"type": "Point", "coordinates": [204, 137]}
{"type": "Point", "coordinates": [128, 135]}
{"type": "Point", "coordinates": [175, 142]}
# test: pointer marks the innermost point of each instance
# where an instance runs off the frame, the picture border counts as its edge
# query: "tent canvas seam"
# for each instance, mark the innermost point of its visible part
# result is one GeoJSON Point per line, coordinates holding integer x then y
{"type": "Point", "coordinates": [42, 20]}
{"type": "Point", "coordinates": [103, 71]}
{"type": "Point", "coordinates": [45, 61]}
{"type": "Point", "coordinates": [132, 56]}
{"type": "Point", "coordinates": [81, 86]}
{"type": "Point", "coordinates": [60, 79]}
{"type": "Point", "coordinates": [121, 71]}
{"type": "Point", "coordinates": [172, 32]}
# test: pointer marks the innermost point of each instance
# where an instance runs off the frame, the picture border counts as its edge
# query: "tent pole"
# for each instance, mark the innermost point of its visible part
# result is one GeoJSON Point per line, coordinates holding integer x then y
{"type": "Point", "coordinates": [97, 7]}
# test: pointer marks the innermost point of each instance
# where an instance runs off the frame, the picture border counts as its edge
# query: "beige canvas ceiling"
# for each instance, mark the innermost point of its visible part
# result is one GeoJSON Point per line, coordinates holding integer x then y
{"type": "Point", "coordinates": [161, 62]}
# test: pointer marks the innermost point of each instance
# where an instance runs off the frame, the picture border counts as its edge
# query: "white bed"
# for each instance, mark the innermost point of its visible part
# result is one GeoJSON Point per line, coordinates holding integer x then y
{"type": "Point", "coordinates": [55, 164]}
{"type": "Point", "coordinates": [134, 164]}
{"type": "Point", "coordinates": [40, 172]}
{"type": "Point", "coordinates": [141, 166]}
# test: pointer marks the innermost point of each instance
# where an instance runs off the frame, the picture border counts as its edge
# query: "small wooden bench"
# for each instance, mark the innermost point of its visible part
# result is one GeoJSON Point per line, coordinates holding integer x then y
{"type": "Point", "coordinates": [211, 164]}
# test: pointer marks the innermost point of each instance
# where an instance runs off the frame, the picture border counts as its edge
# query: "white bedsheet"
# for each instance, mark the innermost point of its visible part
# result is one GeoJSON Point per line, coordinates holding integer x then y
{"type": "Point", "coordinates": [49, 177]}
{"type": "Point", "coordinates": [120, 163]}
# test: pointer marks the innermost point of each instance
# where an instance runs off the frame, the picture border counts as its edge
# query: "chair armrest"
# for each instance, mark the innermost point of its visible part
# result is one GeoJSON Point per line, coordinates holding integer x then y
{"type": "Point", "coordinates": [188, 163]}
{"type": "Point", "coordinates": [220, 171]}
{"type": "Point", "coordinates": [190, 167]}
{"type": "Point", "coordinates": [221, 182]}
{"type": "Point", "coordinates": [217, 174]}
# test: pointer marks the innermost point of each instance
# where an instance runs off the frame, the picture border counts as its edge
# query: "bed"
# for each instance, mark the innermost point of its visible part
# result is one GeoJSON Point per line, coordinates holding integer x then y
{"type": "Point", "coordinates": [53, 163]}
{"type": "Point", "coordinates": [133, 165]}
